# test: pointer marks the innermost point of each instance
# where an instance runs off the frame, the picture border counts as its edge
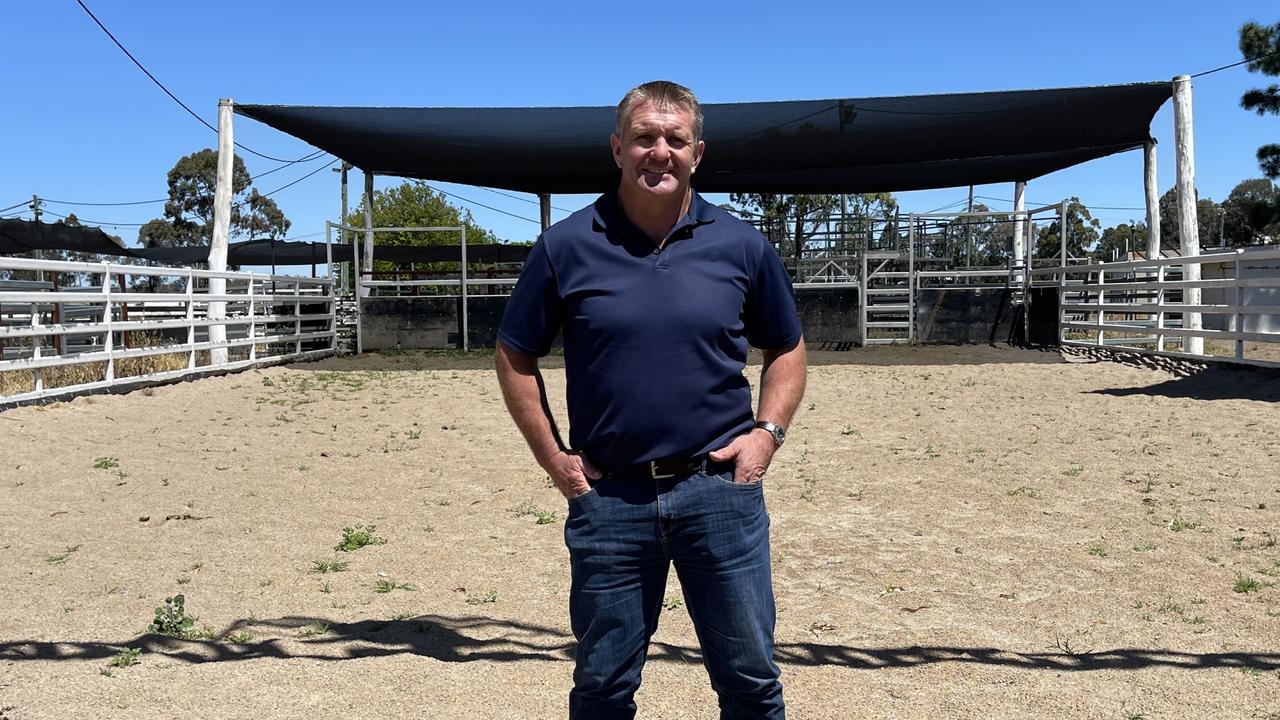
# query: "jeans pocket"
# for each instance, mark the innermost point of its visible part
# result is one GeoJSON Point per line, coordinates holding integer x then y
{"type": "Point", "coordinates": [578, 498]}
{"type": "Point", "coordinates": [726, 478]}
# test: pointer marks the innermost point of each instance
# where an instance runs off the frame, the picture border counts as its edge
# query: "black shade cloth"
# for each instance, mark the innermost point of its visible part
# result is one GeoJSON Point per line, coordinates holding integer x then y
{"type": "Point", "coordinates": [19, 236]}
{"type": "Point", "coordinates": [811, 146]}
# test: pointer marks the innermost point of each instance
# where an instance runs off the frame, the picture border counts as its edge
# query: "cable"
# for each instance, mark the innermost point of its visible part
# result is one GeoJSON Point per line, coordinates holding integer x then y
{"type": "Point", "coordinates": [289, 185]}
{"type": "Point", "coordinates": [24, 203]}
{"type": "Point", "coordinates": [102, 204]}
{"type": "Point", "coordinates": [166, 90]}
{"type": "Point", "coordinates": [944, 207]}
{"type": "Point", "coordinates": [521, 199]}
{"type": "Point", "coordinates": [473, 202]}
{"type": "Point", "coordinates": [87, 221]}
{"type": "Point", "coordinates": [308, 158]}
{"type": "Point", "coordinates": [1086, 205]}
{"type": "Point", "coordinates": [1237, 64]}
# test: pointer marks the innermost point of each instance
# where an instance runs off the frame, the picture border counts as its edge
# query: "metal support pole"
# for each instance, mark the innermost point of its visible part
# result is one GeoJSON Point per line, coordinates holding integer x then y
{"type": "Point", "coordinates": [1153, 200]}
{"type": "Point", "coordinates": [221, 227]}
{"type": "Point", "coordinates": [368, 226]}
{"type": "Point", "coordinates": [1188, 225]}
{"type": "Point", "coordinates": [1062, 232]}
{"type": "Point", "coordinates": [544, 205]}
{"type": "Point", "coordinates": [1019, 205]}
{"type": "Point", "coordinates": [466, 342]}
{"type": "Point", "coordinates": [358, 288]}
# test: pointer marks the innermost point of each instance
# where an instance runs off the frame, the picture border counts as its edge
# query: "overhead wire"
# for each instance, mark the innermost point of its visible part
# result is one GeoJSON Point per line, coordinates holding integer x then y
{"type": "Point", "coordinates": [1237, 64]}
{"type": "Point", "coordinates": [513, 196]}
{"type": "Point", "coordinates": [480, 204]}
{"type": "Point", "coordinates": [170, 94]}
{"type": "Point", "coordinates": [24, 203]}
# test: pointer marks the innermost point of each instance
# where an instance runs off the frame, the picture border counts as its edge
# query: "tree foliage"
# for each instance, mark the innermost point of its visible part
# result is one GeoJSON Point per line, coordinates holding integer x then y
{"type": "Point", "coordinates": [1083, 232]}
{"type": "Point", "coordinates": [791, 221]}
{"type": "Point", "coordinates": [188, 213]}
{"type": "Point", "coordinates": [1263, 42]}
{"type": "Point", "coordinates": [413, 204]}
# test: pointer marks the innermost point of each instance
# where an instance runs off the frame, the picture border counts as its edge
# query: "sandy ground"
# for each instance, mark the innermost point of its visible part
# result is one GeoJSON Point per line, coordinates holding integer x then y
{"type": "Point", "coordinates": [957, 532]}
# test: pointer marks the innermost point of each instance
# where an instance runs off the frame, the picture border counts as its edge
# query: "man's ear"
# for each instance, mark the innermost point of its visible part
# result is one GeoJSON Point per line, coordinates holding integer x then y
{"type": "Point", "coordinates": [697, 155]}
{"type": "Point", "coordinates": [615, 144]}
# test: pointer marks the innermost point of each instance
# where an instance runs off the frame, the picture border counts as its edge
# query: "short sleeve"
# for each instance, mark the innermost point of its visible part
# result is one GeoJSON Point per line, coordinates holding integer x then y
{"type": "Point", "coordinates": [770, 315]}
{"type": "Point", "coordinates": [532, 317]}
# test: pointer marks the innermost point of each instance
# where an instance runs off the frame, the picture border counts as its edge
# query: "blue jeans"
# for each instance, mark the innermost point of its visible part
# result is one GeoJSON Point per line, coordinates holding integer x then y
{"type": "Point", "coordinates": [623, 536]}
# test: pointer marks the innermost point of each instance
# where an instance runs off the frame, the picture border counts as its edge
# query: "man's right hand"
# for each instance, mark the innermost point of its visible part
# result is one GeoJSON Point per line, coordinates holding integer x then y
{"type": "Point", "coordinates": [570, 472]}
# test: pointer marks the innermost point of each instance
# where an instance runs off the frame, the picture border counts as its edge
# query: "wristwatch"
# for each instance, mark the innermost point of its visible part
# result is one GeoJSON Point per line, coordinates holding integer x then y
{"type": "Point", "coordinates": [778, 432]}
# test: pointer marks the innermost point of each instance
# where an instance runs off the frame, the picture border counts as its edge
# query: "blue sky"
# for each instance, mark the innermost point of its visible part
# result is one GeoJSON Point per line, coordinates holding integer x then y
{"type": "Point", "coordinates": [83, 124]}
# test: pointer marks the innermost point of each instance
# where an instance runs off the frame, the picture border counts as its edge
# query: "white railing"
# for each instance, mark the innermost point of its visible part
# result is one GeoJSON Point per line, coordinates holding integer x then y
{"type": "Point", "coordinates": [56, 342]}
{"type": "Point", "coordinates": [1148, 306]}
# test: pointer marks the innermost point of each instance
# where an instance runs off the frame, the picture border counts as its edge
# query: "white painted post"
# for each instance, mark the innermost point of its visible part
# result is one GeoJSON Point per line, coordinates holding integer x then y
{"type": "Point", "coordinates": [1153, 200]}
{"type": "Point", "coordinates": [1160, 308]}
{"type": "Point", "coordinates": [1101, 300]}
{"type": "Point", "coordinates": [1238, 324]}
{"type": "Point", "coordinates": [36, 342]}
{"type": "Point", "coordinates": [1019, 204]}
{"type": "Point", "coordinates": [466, 341]}
{"type": "Point", "coordinates": [1188, 225]}
{"type": "Point", "coordinates": [221, 228]}
{"type": "Point", "coordinates": [253, 326]}
{"type": "Point", "coordinates": [297, 315]}
{"type": "Point", "coordinates": [191, 320]}
{"type": "Point", "coordinates": [110, 373]}
{"type": "Point", "coordinates": [332, 294]}
{"type": "Point", "coordinates": [368, 225]}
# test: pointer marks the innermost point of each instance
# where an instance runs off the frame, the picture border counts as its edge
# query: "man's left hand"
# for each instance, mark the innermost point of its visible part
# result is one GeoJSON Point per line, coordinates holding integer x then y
{"type": "Point", "coordinates": [750, 453]}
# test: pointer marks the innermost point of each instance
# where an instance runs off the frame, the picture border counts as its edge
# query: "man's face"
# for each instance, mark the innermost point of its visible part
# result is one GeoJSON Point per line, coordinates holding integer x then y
{"type": "Point", "coordinates": [657, 152]}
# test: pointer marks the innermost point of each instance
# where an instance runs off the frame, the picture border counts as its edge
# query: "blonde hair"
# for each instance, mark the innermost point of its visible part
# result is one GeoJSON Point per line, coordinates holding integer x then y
{"type": "Point", "coordinates": [663, 94]}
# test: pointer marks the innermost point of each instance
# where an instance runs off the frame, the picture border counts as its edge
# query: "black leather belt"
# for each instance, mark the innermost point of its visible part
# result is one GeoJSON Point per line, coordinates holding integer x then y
{"type": "Point", "coordinates": [668, 467]}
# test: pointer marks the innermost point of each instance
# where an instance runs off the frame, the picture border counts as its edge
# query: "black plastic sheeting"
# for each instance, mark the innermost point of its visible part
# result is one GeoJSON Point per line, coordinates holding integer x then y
{"type": "Point", "coordinates": [21, 236]}
{"type": "Point", "coordinates": [807, 146]}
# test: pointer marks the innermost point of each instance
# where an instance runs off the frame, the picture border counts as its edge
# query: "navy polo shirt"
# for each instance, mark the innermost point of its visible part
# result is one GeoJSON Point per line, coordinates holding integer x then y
{"type": "Point", "coordinates": [655, 341]}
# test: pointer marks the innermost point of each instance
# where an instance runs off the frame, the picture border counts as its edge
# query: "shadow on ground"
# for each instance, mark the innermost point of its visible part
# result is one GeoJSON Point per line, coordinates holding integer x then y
{"type": "Point", "coordinates": [472, 639]}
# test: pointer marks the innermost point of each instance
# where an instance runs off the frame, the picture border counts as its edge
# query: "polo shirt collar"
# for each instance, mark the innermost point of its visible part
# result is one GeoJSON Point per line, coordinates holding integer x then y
{"type": "Point", "coordinates": [608, 210]}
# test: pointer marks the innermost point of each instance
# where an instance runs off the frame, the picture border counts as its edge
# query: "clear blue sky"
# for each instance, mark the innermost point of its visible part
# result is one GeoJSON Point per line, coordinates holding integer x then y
{"type": "Point", "coordinates": [83, 124]}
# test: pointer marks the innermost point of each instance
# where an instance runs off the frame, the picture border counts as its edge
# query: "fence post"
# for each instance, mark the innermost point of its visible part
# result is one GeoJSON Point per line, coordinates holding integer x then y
{"type": "Point", "coordinates": [36, 342]}
{"type": "Point", "coordinates": [253, 325]}
{"type": "Point", "coordinates": [1153, 200]}
{"type": "Point", "coordinates": [1160, 307]}
{"type": "Point", "coordinates": [466, 341]}
{"type": "Point", "coordinates": [1188, 226]}
{"type": "Point", "coordinates": [1101, 300]}
{"type": "Point", "coordinates": [1238, 325]}
{"type": "Point", "coordinates": [108, 342]}
{"type": "Point", "coordinates": [191, 319]}
{"type": "Point", "coordinates": [217, 310]}
{"type": "Point", "coordinates": [297, 315]}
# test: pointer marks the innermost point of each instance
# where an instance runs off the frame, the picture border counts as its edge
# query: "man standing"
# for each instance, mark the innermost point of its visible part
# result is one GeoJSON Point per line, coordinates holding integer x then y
{"type": "Point", "coordinates": [658, 294]}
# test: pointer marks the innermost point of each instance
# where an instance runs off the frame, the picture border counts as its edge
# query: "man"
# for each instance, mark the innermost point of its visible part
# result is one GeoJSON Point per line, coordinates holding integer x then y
{"type": "Point", "coordinates": [658, 293]}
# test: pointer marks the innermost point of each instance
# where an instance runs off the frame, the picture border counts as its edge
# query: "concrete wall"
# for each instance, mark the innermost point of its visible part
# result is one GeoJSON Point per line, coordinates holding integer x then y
{"type": "Point", "coordinates": [827, 316]}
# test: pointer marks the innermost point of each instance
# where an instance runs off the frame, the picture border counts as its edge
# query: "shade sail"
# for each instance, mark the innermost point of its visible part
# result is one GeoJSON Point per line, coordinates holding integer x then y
{"type": "Point", "coordinates": [22, 236]}
{"type": "Point", "coordinates": [809, 146]}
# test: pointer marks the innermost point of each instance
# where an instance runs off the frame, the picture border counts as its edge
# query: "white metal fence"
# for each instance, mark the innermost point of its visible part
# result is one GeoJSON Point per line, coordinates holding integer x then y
{"type": "Point", "coordinates": [1152, 306]}
{"type": "Point", "coordinates": [123, 324]}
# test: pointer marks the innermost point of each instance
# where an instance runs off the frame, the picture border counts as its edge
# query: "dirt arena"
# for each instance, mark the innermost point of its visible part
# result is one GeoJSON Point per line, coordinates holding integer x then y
{"type": "Point", "coordinates": [979, 532]}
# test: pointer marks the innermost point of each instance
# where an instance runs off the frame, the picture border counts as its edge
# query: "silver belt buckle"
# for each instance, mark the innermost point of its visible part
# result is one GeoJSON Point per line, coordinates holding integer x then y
{"type": "Point", "coordinates": [653, 471]}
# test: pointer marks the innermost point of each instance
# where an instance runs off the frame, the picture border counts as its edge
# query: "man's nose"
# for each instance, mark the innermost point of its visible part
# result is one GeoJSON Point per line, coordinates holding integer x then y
{"type": "Point", "coordinates": [660, 149]}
